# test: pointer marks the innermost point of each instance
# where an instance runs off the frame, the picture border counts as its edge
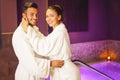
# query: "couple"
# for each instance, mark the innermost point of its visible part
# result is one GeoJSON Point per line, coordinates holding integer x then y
{"type": "Point", "coordinates": [41, 55]}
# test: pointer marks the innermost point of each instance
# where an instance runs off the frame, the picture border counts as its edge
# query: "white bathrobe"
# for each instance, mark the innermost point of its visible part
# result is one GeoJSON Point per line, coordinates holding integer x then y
{"type": "Point", "coordinates": [30, 66]}
{"type": "Point", "coordinates": [57, 46]}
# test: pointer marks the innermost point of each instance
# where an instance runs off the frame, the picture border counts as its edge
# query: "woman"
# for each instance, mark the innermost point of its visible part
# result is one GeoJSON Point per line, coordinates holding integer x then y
{"type": "Point", "coordinates": [56, 45]}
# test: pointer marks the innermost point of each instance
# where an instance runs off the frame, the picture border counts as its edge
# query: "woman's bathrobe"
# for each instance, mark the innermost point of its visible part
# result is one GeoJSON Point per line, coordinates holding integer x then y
{"type": "Point", "coordinates": [56, 46]}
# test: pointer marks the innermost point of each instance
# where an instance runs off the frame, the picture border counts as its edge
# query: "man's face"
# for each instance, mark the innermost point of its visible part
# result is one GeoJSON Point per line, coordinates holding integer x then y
{"type": "Point", "coordinates": [32, 16]}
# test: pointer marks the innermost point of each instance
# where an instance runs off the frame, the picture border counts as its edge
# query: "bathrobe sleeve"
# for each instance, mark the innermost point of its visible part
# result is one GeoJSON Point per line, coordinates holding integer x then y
{"type": "Point", "coordinates": [49, 45]}
{"type": "Point", "coordinates": [25, 55]}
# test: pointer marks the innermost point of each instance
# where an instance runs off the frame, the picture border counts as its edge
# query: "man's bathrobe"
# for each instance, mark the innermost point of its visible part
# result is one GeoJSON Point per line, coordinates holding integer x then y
{"type": "Point", "coordinates": [30, 65]}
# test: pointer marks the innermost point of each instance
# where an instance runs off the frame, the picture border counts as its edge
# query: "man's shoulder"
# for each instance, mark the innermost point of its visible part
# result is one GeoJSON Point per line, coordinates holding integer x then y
{"type": "Point", "coordinates": [18, 33]}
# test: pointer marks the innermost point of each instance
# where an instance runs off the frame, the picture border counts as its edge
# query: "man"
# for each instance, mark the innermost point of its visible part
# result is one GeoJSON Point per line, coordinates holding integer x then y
{"type": "Point", "coordinates": [31, 66]}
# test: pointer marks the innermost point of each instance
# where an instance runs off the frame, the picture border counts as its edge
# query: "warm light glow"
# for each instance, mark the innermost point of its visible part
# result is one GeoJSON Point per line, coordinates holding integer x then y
{"type": "Point", "coordinates": [108, 58]}
{"type": "Point", "coordinates": [109, 55]}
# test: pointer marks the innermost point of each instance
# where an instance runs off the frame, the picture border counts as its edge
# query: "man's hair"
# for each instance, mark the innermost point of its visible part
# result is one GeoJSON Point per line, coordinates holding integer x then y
{"type": "Point", "coordinates": [29, 5]}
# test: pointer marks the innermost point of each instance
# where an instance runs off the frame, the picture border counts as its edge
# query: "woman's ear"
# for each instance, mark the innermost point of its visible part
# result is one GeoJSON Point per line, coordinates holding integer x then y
{"type": "Point", "coordinates": [59, 17]}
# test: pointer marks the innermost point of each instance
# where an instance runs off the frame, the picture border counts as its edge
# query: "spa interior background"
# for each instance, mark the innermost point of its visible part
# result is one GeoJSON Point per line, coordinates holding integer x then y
{"type": "Point", "coordinates": [94, 29]}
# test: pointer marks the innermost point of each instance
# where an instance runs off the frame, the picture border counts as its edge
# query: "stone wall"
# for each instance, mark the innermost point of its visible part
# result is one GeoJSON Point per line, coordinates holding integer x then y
{"type": "Point", "coordinates": [96, 50]}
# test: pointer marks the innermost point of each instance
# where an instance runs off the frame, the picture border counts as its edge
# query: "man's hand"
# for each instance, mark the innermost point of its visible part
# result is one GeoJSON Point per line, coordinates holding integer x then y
{"type": "Point", "coordinates": [57, 63]}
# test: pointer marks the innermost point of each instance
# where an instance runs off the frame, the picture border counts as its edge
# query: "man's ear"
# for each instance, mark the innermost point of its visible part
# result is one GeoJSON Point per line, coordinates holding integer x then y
{"type": "Point", "coordinates": [23, 15]}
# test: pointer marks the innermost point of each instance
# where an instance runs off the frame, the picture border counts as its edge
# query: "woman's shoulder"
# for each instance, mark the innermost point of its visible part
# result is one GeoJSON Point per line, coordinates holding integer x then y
{"type": "Point", "coordinates": [61, 26]}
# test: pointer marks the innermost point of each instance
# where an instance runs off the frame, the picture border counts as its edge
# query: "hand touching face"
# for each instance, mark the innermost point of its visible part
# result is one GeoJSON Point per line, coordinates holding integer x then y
{"type": "Point", "coordinates": [31, 15]}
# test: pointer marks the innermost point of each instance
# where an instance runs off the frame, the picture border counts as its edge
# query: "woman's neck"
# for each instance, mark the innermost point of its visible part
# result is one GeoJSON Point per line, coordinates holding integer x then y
{"type": "Point", "coordinates": [56, 25]}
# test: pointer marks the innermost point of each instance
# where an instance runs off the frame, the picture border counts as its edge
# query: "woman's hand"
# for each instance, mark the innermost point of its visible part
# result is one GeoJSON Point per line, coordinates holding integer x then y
{"type": "Point", "coordinates": [24, 24]}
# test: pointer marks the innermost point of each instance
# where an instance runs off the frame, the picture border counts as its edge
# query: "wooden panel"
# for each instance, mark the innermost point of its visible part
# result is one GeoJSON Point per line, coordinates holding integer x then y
{"type": "Point", "coordinates": [8, 60]}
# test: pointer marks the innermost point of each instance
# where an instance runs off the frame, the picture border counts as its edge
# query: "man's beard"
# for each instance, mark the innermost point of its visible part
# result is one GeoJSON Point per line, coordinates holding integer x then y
{"type": "Point", "coordinates": [30, 24]}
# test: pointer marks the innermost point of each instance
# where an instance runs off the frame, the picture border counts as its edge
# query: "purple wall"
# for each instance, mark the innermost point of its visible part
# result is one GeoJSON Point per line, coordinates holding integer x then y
{"type": "Point", "coordinates": [104, 22]}
{"type": "Point", "coordinates": [114, 19]}
{"type": "Point", "coordinates": [97, 23]}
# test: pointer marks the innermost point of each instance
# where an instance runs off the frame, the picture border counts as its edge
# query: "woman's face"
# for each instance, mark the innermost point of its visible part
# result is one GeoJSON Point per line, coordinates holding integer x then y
{"type": "Point", "coordinates": [52, 18]}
